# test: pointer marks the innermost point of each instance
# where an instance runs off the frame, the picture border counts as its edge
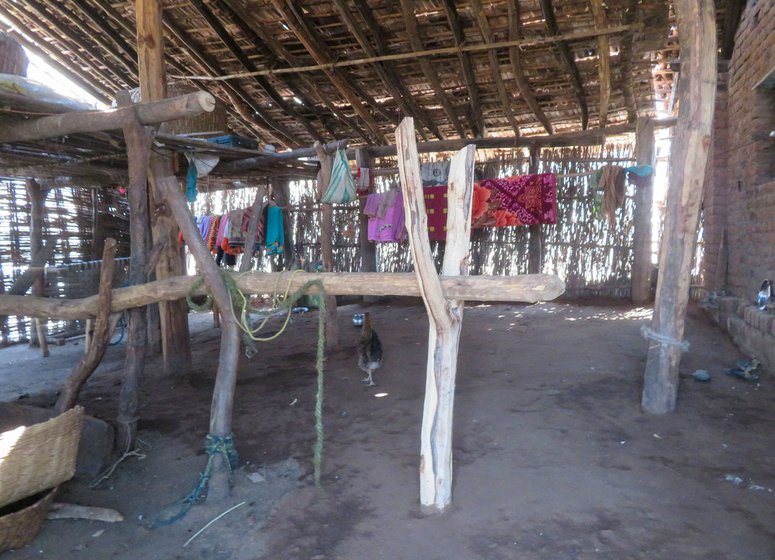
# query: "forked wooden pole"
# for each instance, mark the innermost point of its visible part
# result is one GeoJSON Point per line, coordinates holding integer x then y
{"type": "Point", "coordinates": [688, 158]}
{"type": "Point", "coordinates": [327, 243]}
{"type": "Point", "coordinates": [445, 314]}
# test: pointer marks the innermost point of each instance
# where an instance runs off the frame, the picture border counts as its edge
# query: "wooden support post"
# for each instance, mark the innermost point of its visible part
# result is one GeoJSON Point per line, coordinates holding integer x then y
{"type": "Point", "coordinates": [153, 87]}
{"type": "Point", "coordinates": [445, 314]}
{"type": "Point", "coordinates": [228, 357]}
{"type": "Point", "coordinates": [37, 196]}
{"type": "Point", "coordinates": [688, 158]}
{"type": "Point", "coordinates": [535, 249]}
{"type": "Point", "coordinates": [644, 200]}
{"type": "Point", "coordinates": [327, 244]}
{"type": "Point", "coordinates": [138, 147]}
{"type": "Point", "coordinates": [99, 342]}
{"type": "Point", "coordinates": [367, 248]}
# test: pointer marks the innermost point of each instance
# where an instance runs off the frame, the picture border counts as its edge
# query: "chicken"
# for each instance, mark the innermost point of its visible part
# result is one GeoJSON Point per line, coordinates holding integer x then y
{"type": "Point", "coordinates": [369, 351]}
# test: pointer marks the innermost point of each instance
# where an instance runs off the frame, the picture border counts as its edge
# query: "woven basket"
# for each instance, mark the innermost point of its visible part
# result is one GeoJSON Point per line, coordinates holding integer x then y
{"type": "Point", "coordinates": [20, 526]}
{"type": "Point", "coordinates": [38, 457]}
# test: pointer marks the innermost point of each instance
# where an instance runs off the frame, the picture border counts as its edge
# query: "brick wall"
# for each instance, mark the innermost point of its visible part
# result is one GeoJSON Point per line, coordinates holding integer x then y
{"type": "Point", "coordinates": [740, 194]}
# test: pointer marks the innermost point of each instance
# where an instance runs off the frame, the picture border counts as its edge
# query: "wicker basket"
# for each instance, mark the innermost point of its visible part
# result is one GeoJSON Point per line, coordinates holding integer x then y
{"type": "Point", "coordinates": [38, 457]}
{"type": "Point", "coordinates": [20, 526]}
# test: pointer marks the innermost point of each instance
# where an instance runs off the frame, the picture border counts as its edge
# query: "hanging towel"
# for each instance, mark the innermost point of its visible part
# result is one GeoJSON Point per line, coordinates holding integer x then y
{"type": "Point", "coordinates": [199, 165]}
{"type": "Point", "coordinates": [610, 179]}
{"type": "Point", "coordinates": [191, 182]}
{"type": "Point", "coordinates": [341, 187]}
{"type": "Point", "coordinates": [436, 210]}
{"type": "Point", "coordinates": [640, 170]}
{"type": "Point", "coordinates": [275, 238]}
{"type": "Point", "coordinates": [522, 200]}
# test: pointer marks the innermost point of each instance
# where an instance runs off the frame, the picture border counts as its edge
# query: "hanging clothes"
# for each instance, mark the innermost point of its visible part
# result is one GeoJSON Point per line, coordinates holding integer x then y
{"type": "Point", "coordinates": [386, 217]}
{"type": "Point", "coordinates": [435, 174]}
{"type": "Point", "coordinates": [436, 210]}
{"type": "Point", "coordinates": [610, 179]}
{"type": "Point", "coordinates": [523, 200]}
{"type": "Point", "coordinates": [275, 237]}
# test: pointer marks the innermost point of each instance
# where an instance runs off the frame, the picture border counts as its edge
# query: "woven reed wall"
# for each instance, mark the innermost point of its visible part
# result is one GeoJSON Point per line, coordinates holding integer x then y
{"type": "Point", "coordinates": [70, 215]}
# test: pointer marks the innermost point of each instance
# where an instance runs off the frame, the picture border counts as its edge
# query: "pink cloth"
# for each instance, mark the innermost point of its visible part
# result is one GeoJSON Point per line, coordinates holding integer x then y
{"type": "Point", "coordinates": [372, 204]}
{"type": "Point", "coordinates": [389, 228]}
{"type": "Point", "coordinates": [532, 199]}
{"type": "Point", "coordinates": [222, 228]}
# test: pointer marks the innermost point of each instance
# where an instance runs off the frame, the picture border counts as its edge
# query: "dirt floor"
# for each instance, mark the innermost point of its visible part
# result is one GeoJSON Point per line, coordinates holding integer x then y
{"type": "Point", "coordinates": [553, 458]}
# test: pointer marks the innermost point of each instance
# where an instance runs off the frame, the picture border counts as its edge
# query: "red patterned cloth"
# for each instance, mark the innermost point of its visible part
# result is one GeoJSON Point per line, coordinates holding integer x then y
{"type": "Point", "coordinates": [436, 209]}
{"type": "Point", "coordinates": [523, 200]}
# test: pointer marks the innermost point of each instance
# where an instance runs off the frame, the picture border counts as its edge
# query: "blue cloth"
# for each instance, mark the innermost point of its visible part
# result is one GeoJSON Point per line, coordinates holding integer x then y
{"type": "Point", "coordinates": [275, 238]}
{"type": "Point", "coordinates": [191, 181]}
{"type": "Point", "coordinates": [640, 170]}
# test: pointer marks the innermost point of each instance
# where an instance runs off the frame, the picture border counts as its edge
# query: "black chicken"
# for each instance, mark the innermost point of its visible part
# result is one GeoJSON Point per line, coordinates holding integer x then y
{"type": "Point", "coordinates": [369, 350]}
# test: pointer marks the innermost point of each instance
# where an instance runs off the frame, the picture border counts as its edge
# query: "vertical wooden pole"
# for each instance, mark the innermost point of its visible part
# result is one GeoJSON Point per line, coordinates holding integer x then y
{"type": "Point", "coordinates": [688, 158]}
{"type": "Point", "coordinates": [644, 200]}
{"type": "Point", "coordinates": [445, 315]}
{"type": "Point", "coordinates": [367, 248]}
{"type": "Point", "coordinates": [138, 146]}
{"type": "Point", "coordinates": [327, 244]}
{"type": "Point", "coordinates": [153, 86]}
{"type": "Point", "coordinates": [535, 249]}
{"type": "Point", "coordinates": [37, 196]}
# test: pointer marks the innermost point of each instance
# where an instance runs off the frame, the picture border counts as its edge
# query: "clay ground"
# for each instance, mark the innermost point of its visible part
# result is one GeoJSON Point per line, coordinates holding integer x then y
{"type": "Point", "coordinates": [553, 457]}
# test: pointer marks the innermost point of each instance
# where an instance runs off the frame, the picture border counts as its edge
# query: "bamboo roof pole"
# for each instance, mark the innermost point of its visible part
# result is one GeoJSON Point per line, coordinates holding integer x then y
{"type": "Point", "coordinates": [626, 54]}
{"type": "Point", "coordinates": [688, 158]}
{"type": "Point", "coordinates": [567, 57]}
{"type": "Point", "coordinates": [176, 349]}
{"type": "Point", "coordinates": [248, 65]}
{"type": "Point", "coordinates": [130, 70]}
{"type": "Point", "coordinates": [308, 37]}
{"type": "Point", "coordinates": [276, 48]}
{"type": "Point", "coordinates": [458, 34]}
{"type": "Point", "coordinates": [515, 56]}
{"type": "Point", "coordinates": [428, 70]}
{"type": "Point", "coordinates": [604, 61]}
{"type": "Point", "coordinates": [487, 36]}
{"type": "Point", "coordinates": [388, 71]}
{"type": "Point", "coordinates": [109, 32]}
{"type": "Point", "coordinates": [237, 96]}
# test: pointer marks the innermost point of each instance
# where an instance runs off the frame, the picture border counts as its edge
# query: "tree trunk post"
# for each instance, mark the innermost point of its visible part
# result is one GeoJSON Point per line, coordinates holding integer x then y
{"type": "Point", "coordinates": [327, 244]}
{"type": "Point", "coordinates": [688, 158]}
{"type": "Point", "coordinates": [367, 248]}
{"type": "Point", "coordinates": [175, 342]}
{"type": "Point", "coordinates": [445, 314]}
{"type": "Point", "coordinates": [535, 250]}
{"type": "Point", "coordinates": [644, 201]}
{"type": "Point", "coordinates": [37, 196]}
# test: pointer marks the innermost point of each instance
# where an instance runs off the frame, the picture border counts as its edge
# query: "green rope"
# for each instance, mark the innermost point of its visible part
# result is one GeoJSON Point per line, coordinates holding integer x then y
{"type": "Point", "coordinates": [214, 446]}
{"type": "Point", "coordinates": [287, 301]}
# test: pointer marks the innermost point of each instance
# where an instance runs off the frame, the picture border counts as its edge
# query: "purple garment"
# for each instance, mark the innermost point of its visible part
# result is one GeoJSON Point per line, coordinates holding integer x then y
{"type": "Point", "coordinates": [372, 204]}
{"type": "Point", "coordinates": [390, 228]}
{"type": "Point", "coordinates": [204, 226]}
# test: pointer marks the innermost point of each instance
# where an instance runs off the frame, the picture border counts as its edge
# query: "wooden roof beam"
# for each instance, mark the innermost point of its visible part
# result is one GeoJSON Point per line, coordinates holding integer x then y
{"type": "Point", "coordinates": [476, 117]}
{"type": "Point", "coordinates": [567, 56]}
{"type": "Point", "coordinates": [401, 93]}
{"type": "Point", "coordinates": [604, 60]}
{"type": "Point", "coordinates": [625, 56]}
{"type": "Point", "coordinates": [319, 52]}
{"type": "Point", "coordinates": [244, 22]}
{"type": "Point", "coordinates": [234, 92]}
{"type": "Point", "coordinates": [94, 16]}
{"type": "Point", "coordinates": [515, 56]}
{"type": "Point", "coordinates": [410, 23]}
{"type": "Point", "coordinates": [505, 98]}
{"type": "Point", "coordinates": [248, 64]}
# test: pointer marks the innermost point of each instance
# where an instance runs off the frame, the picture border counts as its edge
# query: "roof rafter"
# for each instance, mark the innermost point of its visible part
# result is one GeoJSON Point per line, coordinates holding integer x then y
{"type": "Point", "coordinates": [515, 56]}
{"type": "Point", "coordinates": [603, 55]}
{"type": "Point", "coordinates": [505, 98]}
{"type": "Point", "coordinates": [476, 117]}
{"type": "Point", "coordinates": [315, 47]}
{"type": "Point", "coordinates": [248, 64]}
{"type": "Point", "coordinates": [551, 24]}
{"type": "Point", "coordinates": [386, 70]}
{"type": "Point", "coordinates": [410, 22]}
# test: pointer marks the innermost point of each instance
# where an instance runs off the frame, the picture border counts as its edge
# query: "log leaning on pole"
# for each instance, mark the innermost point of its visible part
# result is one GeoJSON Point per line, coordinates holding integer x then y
{"type": "Point", "coordinates": [445, 314]}
{"type": "Point", "coordinates": [189, 105]}
{"type": "Point", "coordinates": [526, 288]}
{"type": "Point", "coordinates": [691, 144]}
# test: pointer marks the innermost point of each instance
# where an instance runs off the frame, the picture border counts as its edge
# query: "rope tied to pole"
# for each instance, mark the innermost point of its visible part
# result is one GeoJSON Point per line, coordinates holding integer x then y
{"type": "Point", "coordinates": [214, 446]}
{"type": "Point", "coordinates": [664, 340]}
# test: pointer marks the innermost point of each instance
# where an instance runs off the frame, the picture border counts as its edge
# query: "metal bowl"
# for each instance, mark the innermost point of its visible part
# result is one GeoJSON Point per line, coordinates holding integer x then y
{"type": "Point", "coordinates": [358, 320]}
